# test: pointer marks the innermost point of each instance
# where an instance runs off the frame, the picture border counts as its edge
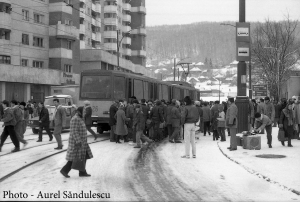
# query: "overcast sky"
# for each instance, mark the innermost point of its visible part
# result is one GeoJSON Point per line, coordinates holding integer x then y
{"type": "Point", "coordinates": [160, 12]}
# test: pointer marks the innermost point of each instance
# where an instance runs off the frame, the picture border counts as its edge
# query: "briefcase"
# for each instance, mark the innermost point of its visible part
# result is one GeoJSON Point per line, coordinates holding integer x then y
{"type": "Point", "coordinates": [78, 164]}
{"type": "Point", "coordinates": [239, 141]}
{"type": "Point", "coordinates": [281, 135]}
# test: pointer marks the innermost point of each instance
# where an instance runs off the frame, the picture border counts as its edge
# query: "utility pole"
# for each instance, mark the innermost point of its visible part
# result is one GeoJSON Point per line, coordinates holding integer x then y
{"type": "Point", "coordinates": [174, 71]}
{"type": "Point", "coordinates": [118, 49]}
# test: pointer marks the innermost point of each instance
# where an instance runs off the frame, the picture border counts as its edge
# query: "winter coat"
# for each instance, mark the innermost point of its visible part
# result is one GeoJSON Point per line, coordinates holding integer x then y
{"type": "Point", "coordinates": [78, 134]}
{"type": "Point", "coordinates": [44, 117]}
{"type": "Point", "coordinates": [139, 121]}
{"type": "Point", "coordinates": [261, 108]}
{"type": "Point", "coordinates": [156, 114]}
{"type": "Point", "coordinates": [277, 110]}
{"type": "Point", "coordinates": [296, 111]}
{"type": "Point", "coordinates": [214, 120]}
{"type": "Point", "coordinates": [112, 112]}
{"type": "Point", "coordinates": [88, 116]}
{"type": "Point", "coordinates": [169, 113]}
{"type": "Point", "coordinates": [18, 113]}
{"type": "Point", "coordinates": [1, 111]}
{"type": "Point", "coordinates": [164, 110]}
{"type": "Point", "coordinates": [59, 117]}
{"type": "Point", "coordinates": [206, 113]}
{"type": "Point", "coordinates": [145, 110]}
{"type": "Point", "coordinates": [190, 114]}
{"type": "Point", "coordinates": [269, 111]}
{"type": "Point", "coordinates": [130, 111]}
{"type": "Point", "coordinates": [289, 130]}
{"type": "Point", "coordinates": [8, 117]}
{"type": "Point", "coordinates": [213, 110]}
{"type": "Point", "coordinates": [175, 117]}
{"type": "Point", "coordinates": [265, 121]}
{"type": "Point", "coordinates": [231, 116]}
{"type": "Point", "coordinates": [121, 119]}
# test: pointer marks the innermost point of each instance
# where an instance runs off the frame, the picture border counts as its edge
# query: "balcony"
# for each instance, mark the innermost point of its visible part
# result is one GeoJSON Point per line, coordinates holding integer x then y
{"type": "Point", "coordinates": [66, 31]}
{"type": "Point", "coordinates": [98, 36]}
{"type": "Point", "coordinates": [126, 51]}
{"type": "Point", "coordinates": [82, 12]}
{"type": "Point", "coordinates": [127, 18]}
{"type": "Point", "coordinates": [140, 9]}
{"type": "Point", "coordinates": [127, 40]}
{"type": "Point", "coordinates": [5, 20]}
{"type": "Point", "coordinates": [110, 9]}
{"type": "Point", "coordinates": [60, 53]}
{"type": "Point", "coordinates": [93, 21]}
{"type": "Point", "coordinates": [94, 36]}
{"type": "Point", "coordinates": [82, 44]}
{"type": "Point", "coordinates": [110, 34]}
{"type": "Point", "coordinates": [140, 53]}
{"type": "Point", "coordinates": [98, 22]}
{"type": "Point", "coordinates": [141, 31]}
{"type": "Point", "coordinates": [110, 46]}
{"type": "Point", "coordinates": [5, 47]}
{"type": "Point", "coordinates": [110, 21]}
{"type": "Point", "coordinates": [98, 8]}
{"type": "Point", "coordinates": [126, 28]}
{"type": "Point", "coordinates": [82, 29]}
{"type": "Point", "coordinates": [93, 7]}
{"type": "Point", "coordinates": [127, 7]}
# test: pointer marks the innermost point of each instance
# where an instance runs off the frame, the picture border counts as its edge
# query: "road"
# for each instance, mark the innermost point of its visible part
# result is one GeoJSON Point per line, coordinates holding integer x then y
{"type": "Point", "coordinates": [122, 173]}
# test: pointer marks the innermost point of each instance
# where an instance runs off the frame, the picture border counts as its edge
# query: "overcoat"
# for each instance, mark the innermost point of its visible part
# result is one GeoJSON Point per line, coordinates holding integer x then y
{"type": "Point", "coordinates": [288, 129]}
{"type": "Point", "coordinates": [88, 116]}
{"type": "Point", "coordinates": [120, 126]}
{"type": "Point", "coordinates": [231, 116]}
{"type": "Point", "coordinates": [78, 134]}
{"type": "Point", "coordinates": [112, 112]}
{"type": "Point", "coordinates": [60, 116]}
{"type": "Point", "coordinates": [44, 117]}
{"type": "Point", "coordinates": [139, 121]}
{"type": "Point", "coordinates": [175, 117]}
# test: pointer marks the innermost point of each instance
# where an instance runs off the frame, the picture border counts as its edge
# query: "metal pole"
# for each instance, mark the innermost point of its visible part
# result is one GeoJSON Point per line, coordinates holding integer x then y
{"type": "Point", "coordinates": [118, 49]}
{"type": "Point", "coordinates": [219, 90]}
{"type": "Point", "coordinates": [174, 68]}
{"type": "Point", "coordinates": [178, 73]}
{"type": "Point", "coordinates": [278, 80]}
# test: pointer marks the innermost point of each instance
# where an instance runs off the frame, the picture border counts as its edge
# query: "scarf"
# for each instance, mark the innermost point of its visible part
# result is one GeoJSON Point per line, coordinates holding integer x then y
{"type": "Point", "coordinates": [289, 115]}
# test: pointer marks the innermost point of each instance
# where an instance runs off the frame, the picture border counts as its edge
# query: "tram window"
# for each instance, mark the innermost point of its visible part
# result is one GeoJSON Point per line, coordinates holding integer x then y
{"type": "Point", "coordinates": [129, 87]}
{"type": "Point", "coordinates": [159, 91]}
{"type": "Point", "coordinates": [146, 92]}
{"type": "Point", "coordinates": [151, 89]}
{"type": "Point", "coordinates": [165, 92]}
{"type": "Point", "coordinates": [176, 93]}
{"type": "Point", "coordinates": [119, 88]}
{"type": "Point", "coordinates": [155, 92]}
{"type": "Point", "coordinates": [138, 89]}
{"type": "Point", "coordinates": [97, 87]}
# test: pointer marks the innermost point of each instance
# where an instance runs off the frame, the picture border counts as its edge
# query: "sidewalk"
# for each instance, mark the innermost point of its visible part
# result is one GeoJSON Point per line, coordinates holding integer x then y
{"type": "Point", "coordinates": [281, 171]}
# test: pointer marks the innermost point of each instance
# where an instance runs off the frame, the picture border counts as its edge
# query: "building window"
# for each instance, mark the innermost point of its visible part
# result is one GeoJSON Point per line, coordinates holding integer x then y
{"type": "Point", "coordinates": [24, 62]}
{"type": "Point", "coordinates": [110, 15]}
{"type": "Point", "coordinates": [25, 39]}
{"type": "Point", "coordinates": [4, 59]}
{"type": "Point", "coordinates": [68, 68]}
{"type": "Point", "coordinates": [110, 40]}
{"type": "Point", "coordinates": [69, 45]}
{"type": "Point", "coordinates": [38, 18]}
{"type": "Point", "coordinates": [81, 36]}
{"type": "Point", "coordinates": [89, 41]}
{"type": "Point", "coordinates": [37, 41]}
{"type": "Point", "coordinates": [68, 22]}
{"type": "Point", "coordinates": [38, 64]}
{"type": "Point", "coordinates": [110, 28]}
{"type": "Point", "coordinates": [4, 34]}
{"type": "Point", "coordinates": [5, 9]}
{"type": "Point", "coordinates": [25, 14]}
{"type": "Point", "coordinates": [89, 26]}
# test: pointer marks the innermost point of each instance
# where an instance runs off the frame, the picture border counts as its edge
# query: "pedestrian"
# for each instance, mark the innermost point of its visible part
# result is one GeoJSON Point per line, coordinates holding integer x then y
{"type": "Point", "coordinates": [26, 116]}
{"type": "Point", "coordinates": [190, 118]}
{"type": "Point", "coordinates": [214, 121]}
{"type": "Point", "coordinates": [277, 114]}
{"type": "Point", "coordinates": [19, 117]}
{"type": "Point", "coordinates": [112, 121]}
{"type": "Point", "coordinates": [9, 123]}
{"type": "Point", "coordinates": [231, 123]}
{"type": "Point", "coordinates": [156, 116]}
{"type": "Point", "coordinates": [287, 122]}
{"type": "Point", "coordinates": [129, 114]}
{"type": "Point", "coordinates": [139, 126]}
{"type": "Point", "coordinates": [169, 118]}
{"type": "Point", "coordinates": [121, 128]}
{"type": "Point", "coordinates": [145, 110]}
{"type": "Point", "coordinates": [198, 105]}
{"type": "Point", "coordinates": [175, 121]}
{"type": "Point", "coordinates": [251, 114]}
{"type": "Point", "coordinates": [44, 122]}
{"type": "Point", "coordinates": [59, 120]}
{"type": "Point", "coordinates": [1, 111]}
{"type": "Point", "coordinates": [87, 117]}
{"type": "Point", "coordinates": [264, 122]}
{"type": "Point", "coordinates": [221, 123]}
{"type": "Point", "coordinates": [206, 118]}
{"type": "Point", "coordinates": [269, 109]}
{"type": "Point", "coordinates": [164, 128]}
{"type": "Point", "coordinates": [78, 147]}
{"type": "Point", "coordinates": [296, 110]}
{"type": "Point", "coordinates": [30, 110]}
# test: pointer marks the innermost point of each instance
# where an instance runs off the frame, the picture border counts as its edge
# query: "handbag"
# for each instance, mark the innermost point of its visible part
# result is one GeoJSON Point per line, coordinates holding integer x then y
{"type": "Point", "coordinates": [281, 135]}
{"type": "Point", "coordinates": [78, 164]}
{"type": "Point", "coordinates": [126, 129]}
{"type": "Point", "coordinates": [221, 124]}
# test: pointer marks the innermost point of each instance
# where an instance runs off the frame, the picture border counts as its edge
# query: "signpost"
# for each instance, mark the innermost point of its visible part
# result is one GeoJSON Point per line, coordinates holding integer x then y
{"type": "Point", "coordinates": [260, 90]}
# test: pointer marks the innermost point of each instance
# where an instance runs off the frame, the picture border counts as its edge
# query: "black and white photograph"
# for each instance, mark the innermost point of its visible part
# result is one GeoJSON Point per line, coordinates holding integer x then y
{"type": "Point", "coordinates": [150, 100]}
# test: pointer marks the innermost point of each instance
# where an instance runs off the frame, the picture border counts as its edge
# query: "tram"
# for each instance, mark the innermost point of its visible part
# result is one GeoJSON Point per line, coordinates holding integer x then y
{"type": "Point", "coordinates": [102, 87]}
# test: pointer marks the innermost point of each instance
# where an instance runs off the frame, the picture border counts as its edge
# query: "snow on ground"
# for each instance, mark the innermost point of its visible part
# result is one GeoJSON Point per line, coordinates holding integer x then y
{"type": "Point", "coordinates": [285, 171]}
{"type": "Point", "coordinates": [223, 179]}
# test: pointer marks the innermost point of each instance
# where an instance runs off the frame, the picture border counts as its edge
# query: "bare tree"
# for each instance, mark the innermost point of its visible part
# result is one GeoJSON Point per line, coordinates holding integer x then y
{"type": "Point", "coordinates": [274, 50]}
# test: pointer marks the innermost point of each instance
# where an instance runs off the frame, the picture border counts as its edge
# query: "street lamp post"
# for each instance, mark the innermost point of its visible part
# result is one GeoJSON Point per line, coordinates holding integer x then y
{"type": "Point", "coordinates": [175, 65]}
{"type": "Point", "coordinates": [219, 88]}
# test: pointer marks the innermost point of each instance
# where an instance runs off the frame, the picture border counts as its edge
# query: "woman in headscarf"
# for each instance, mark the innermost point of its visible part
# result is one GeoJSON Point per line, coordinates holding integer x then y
{"type": "Point", "coordinates": [287, 122]}
{"type": "Point", "coordinates": [78, 147]}
{"type": "Point", "coordinates": [121, 128]}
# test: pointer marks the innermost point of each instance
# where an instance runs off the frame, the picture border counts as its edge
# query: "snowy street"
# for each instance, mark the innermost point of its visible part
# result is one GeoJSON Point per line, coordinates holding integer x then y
{"type": "Point", "coordinates": [154, 173]}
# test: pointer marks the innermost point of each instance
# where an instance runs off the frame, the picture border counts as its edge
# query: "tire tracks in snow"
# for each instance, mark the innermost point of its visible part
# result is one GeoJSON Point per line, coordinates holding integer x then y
{"type": "Point", "coordinates": [259, 175]}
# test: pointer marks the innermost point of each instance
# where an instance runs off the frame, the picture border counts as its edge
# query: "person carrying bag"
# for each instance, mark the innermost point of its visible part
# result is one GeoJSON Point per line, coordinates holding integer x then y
{"type": "Point", "coordinates": [78, 150]}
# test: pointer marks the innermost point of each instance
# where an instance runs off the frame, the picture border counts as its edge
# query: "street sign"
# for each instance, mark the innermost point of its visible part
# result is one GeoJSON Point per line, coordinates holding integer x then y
{"type": "Point", "coordinates": [243, 32]}
{"type": "Point", "coordinates": [260, 93]}
{"type": "Point", "coordinates": [242, 51]}
{"type": "Point", "coordinates": [260, 87]}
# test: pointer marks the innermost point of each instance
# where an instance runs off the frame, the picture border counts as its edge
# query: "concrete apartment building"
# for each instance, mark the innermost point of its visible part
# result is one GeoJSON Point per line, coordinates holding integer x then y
{"type": "Point", "coordinates": [41, 42]}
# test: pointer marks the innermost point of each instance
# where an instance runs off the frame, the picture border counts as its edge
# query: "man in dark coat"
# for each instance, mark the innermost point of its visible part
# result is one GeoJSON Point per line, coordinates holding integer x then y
{"type": "Point", "coordinates": [145, 110]}
{"type": "Point", "coordinates": [156, 116]}
{"type": "Point", "coordinates": [87, 117]}
{"type": "Point", "coordinates": [44, 122]}
{"type": "Point", "coordinates": [169, 117]}
{"type": "Point", "coordinates": [9, 124]}
{"type": "Point", "coordinates": [264, 122]}
{"type": "Point", "coordinates": [206, 118]}
{"type": "Point", "coordinates": [232, 123]}
{"type": "Point", "coordinates": [112, 121]}
{"type": "Point", "coordinates": [175, 121]}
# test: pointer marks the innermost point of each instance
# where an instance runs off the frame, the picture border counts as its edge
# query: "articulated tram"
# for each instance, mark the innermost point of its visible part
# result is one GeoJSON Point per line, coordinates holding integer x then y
{"type": "Point", "coordinates": [102, 87]}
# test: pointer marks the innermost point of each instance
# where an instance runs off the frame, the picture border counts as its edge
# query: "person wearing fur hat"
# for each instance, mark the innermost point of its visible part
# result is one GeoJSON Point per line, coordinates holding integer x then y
{"type": "Point", "coordinates": [78, 146]}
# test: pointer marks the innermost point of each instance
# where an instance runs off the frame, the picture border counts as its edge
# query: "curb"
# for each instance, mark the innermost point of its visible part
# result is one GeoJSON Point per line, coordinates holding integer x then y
{"type": "Point", "coordinates": [251, 171]}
